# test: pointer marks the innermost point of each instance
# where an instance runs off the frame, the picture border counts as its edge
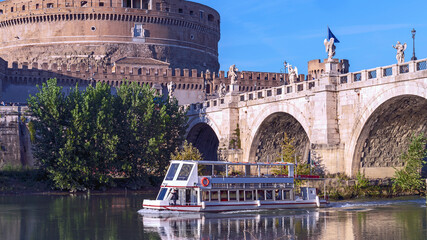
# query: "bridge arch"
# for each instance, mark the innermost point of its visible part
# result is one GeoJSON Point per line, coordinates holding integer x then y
{"type": "Point", "coordinates": [269, 127]}
{"type": "Point", "coordinates": [204, 134]}
{"type": "Point", "coordinates": [383, 129]}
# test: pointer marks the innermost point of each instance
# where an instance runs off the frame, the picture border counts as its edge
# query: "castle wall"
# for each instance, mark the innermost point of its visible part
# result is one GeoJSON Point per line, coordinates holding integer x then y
{"type": "Point", "coordinates": [181, 33]}
{"type": "Point", "coordinates": [316, 67]}
{"type": "Point", "coordinates": [15, 146]}
{"type": "Point", "coordinates": [20, 80]}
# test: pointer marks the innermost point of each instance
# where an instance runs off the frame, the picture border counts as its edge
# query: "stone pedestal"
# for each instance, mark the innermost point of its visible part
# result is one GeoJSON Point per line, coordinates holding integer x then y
{"type": "Point", "coordinates": [330, 77]}
{"type": "Point", "coordinates": [234, 88]}
{"type": "Point", "coordinates": [331, 68]}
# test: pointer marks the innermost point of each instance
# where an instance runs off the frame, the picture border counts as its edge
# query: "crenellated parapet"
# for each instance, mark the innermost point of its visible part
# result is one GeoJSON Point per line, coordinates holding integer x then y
{"type": "Point", "coordinates": [246, 79]}
{"type": "Point", "coordinates": [191, 85]}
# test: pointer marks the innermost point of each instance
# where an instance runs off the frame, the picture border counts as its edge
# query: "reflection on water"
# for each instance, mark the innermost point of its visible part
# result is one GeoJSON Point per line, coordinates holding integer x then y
{"type": "Point", "coordinates": [116, 217]}
{"type": "Point", "coordinates": [237, 225]}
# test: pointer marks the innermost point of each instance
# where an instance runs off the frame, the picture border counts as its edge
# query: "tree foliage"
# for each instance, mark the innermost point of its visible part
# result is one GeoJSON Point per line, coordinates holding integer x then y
{"type": "Point", "coordinates": [84, 139]}
{"type": "Point", "coordinates": [288, 154]}
{"type": "Point", "coordinates": [187, 152]}
{"type": "Point", "coordinates": [408, 178]}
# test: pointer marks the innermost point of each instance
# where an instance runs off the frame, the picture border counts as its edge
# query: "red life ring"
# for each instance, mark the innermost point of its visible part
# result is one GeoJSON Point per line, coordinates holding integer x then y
{"type": "Point", "coordinates": [204, 181]}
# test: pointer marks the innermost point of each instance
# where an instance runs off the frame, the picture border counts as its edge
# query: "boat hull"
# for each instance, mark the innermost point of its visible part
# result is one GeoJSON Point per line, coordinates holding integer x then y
{"type": "Point", "coordinates": [234, 206]}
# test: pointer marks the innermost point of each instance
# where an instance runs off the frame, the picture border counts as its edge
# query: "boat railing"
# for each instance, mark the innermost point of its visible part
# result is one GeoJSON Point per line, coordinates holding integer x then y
{"type": "Point", "coordinates": [250, 185]}
{"type": "Point", "coordinates": [248, 176]}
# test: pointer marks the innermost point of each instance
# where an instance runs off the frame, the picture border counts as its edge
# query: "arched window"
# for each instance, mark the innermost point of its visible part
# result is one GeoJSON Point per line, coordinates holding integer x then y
{"type": "Point", "coordinates": [210, 18]}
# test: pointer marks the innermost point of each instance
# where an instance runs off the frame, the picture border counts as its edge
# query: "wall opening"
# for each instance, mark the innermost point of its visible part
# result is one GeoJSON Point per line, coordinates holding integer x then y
{"type": "Point", "coordinates": [203, 137]}
{"type": "Point", "coordinates": [267, 141]}
{"type": "Point", "coordinates": [386, 135]}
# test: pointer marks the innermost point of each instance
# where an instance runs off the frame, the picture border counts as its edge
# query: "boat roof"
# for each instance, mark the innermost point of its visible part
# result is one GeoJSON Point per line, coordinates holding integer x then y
{"type": "Point", "coordinates": [203, 162]}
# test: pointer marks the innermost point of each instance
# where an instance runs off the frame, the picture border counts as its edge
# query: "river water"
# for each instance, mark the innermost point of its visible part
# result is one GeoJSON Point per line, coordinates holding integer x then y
{"type": "Point", "coordinates": [120, 217]}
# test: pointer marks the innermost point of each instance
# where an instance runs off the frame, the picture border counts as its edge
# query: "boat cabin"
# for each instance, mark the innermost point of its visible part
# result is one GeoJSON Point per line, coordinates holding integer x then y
{"type": "Point", "coordinates": [192, 182]}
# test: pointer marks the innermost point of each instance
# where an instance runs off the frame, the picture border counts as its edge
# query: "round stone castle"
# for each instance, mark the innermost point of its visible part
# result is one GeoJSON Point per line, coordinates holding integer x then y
{"type": "Point", "coordinates": [172, 33]}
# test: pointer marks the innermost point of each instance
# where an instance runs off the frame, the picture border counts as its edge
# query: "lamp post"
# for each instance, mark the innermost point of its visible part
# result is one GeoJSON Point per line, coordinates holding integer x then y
{"type": "Point", "coordinates": [413, 44]}
{"type": "Point", "coordinates": [286, 71]}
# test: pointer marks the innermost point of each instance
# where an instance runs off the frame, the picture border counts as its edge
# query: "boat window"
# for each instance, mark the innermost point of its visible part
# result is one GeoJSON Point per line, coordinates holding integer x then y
{"type": "Point", "coordinates": [249, 195]}
{"type": "Point", "coordinates": [224, 195]}
{"type": "Point", "coordinates": [261, 195]}
{"type": "Point", "coordinates": [278, 194]}
{"type": "Point", "coordinates": [269, 194]}
{"type": "Point", "coordinates": [286, 194]}
{"type": "Point", "coordinates": [172, 171]}
{"type": "Point", "coordinates": [233, 195]}
{"type": "Point", "coordinates": [185, 172]}
{"type": "Point", "coordinates": [187, 196]}
{"type": "Point", "coordinates": [241, 195]}
{"type": "Point", "coordinates": [214, 196]}
{"type": "Point", "coordinates": [162, 193]}
{"type": "Point", "coordinates": [205, 196]}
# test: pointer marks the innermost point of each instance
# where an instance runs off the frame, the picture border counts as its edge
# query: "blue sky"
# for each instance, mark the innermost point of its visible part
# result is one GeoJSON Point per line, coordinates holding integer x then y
{"type": "Point", "coordinates": [259, 35]}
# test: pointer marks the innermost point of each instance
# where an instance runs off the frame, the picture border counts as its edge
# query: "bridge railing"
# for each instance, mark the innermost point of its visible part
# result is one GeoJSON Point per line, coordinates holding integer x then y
{"type": "Point", "coordinates": [384, 72]}
{"type": "Point", "coordinates": [278, 91]}
{"type": "Point", "coordinates": [283, 90]}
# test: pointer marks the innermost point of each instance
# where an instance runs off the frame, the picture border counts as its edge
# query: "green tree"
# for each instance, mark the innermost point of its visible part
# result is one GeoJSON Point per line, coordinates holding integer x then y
{"type": "Point", "coordinates": [187, 152]}
{"type": "Point", "coordinates": [408, 178]}
{"type": "Point", "coordinates": [51, 114]}
{"type": "Point", "coordinates": [149, 129]}
{"type": "Point", "coordinates": [288, 154]}
{"type": "Point", "coordinates": [84, 139]}
{"type": "Point", "coordinates": [175, 127]}
{"type": "Point", "coordinates": [90, 141]}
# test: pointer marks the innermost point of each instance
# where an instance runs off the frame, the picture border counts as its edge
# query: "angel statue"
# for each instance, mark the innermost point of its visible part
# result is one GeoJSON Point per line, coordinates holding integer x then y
{"type": "Point", "coordinates": [171, 87]}
{"type": "Point", "coordinates": [400, 55]}
{"type": "Point", "coordinates": [232, 74]}
{"type": "Point", "coordinates": [222, 90]}
{"type": "Point", "coordinates": [330, 48]}
{"type": "Point", "coordinates": [293, 73]}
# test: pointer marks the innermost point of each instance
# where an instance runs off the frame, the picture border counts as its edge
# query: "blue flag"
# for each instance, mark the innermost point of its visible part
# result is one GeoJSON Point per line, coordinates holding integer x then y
{"type": "Point", "coordinates": [331, 35]}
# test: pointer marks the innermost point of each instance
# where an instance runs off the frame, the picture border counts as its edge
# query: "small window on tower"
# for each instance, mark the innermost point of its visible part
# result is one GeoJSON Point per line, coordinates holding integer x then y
{"type": "Point", "coordinates": [180, 10]}
{"type": "Point", "coordinates": [49, 5]}
{"type": "Point", "coordinates": [191, 13]}
{"type": "Point", "coordinates": [11, 9]}
{"type": "Point", "coordinates": [138, 31]}
{"type": "Point", "coordinates": [83, 3]}
{"type": "Point", "coordinates": [201, 14]}
{"type": "Point", "coordinates": [1, 11]}
{"type": "Point", "coordinates": [23, 7]}
{"type": "Point", "coordinates": [101, 4]}
{"type": "Point", "coordinates": [37, 6]}
{"type": "Point", "coordinates": [210, 18]}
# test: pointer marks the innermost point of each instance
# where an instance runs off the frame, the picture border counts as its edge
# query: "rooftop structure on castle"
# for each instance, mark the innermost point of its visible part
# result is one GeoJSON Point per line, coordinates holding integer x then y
{"type": "Point", "coordinates": [180, 33]}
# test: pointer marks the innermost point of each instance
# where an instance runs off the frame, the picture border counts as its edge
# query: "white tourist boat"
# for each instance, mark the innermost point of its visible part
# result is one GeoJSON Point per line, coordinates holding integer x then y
{"type": "Point", "coordinates": [231, 186]}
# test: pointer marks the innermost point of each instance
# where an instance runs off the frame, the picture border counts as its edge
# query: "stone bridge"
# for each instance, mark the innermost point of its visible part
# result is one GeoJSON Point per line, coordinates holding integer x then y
{"type": "Point", "coordinates": [360, 121]}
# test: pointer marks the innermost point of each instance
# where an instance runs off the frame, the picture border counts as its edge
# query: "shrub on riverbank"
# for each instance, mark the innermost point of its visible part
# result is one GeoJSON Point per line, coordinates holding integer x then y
{"type": "Point", "coordinates": [409, 178]}
{"type": "Point", "coordinates": [21, 179]}
{"type": "Point", "coordinates": [339, 188]}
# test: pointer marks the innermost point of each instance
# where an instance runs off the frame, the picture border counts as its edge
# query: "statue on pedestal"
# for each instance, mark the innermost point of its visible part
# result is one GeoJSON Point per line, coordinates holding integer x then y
{"type": "Point", "coordinates": [330, 48]}
{"type": "Point", "coordinates": [232, 75]}
{"type": "Point", "coordinates": [171, 89]}
{"type": "Point", "coordinates": [293, 73]}
{"type": "Point", "coordinates": [400, 55]}
{"type": "Point", "coordinates": [222, 90]}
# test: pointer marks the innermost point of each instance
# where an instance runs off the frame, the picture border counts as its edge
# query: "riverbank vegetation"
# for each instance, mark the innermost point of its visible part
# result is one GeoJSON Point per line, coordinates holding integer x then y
{"type": "Point", "coordinates": [89, 139]}
{"type": "Point", "coordinates": [407, 180]}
